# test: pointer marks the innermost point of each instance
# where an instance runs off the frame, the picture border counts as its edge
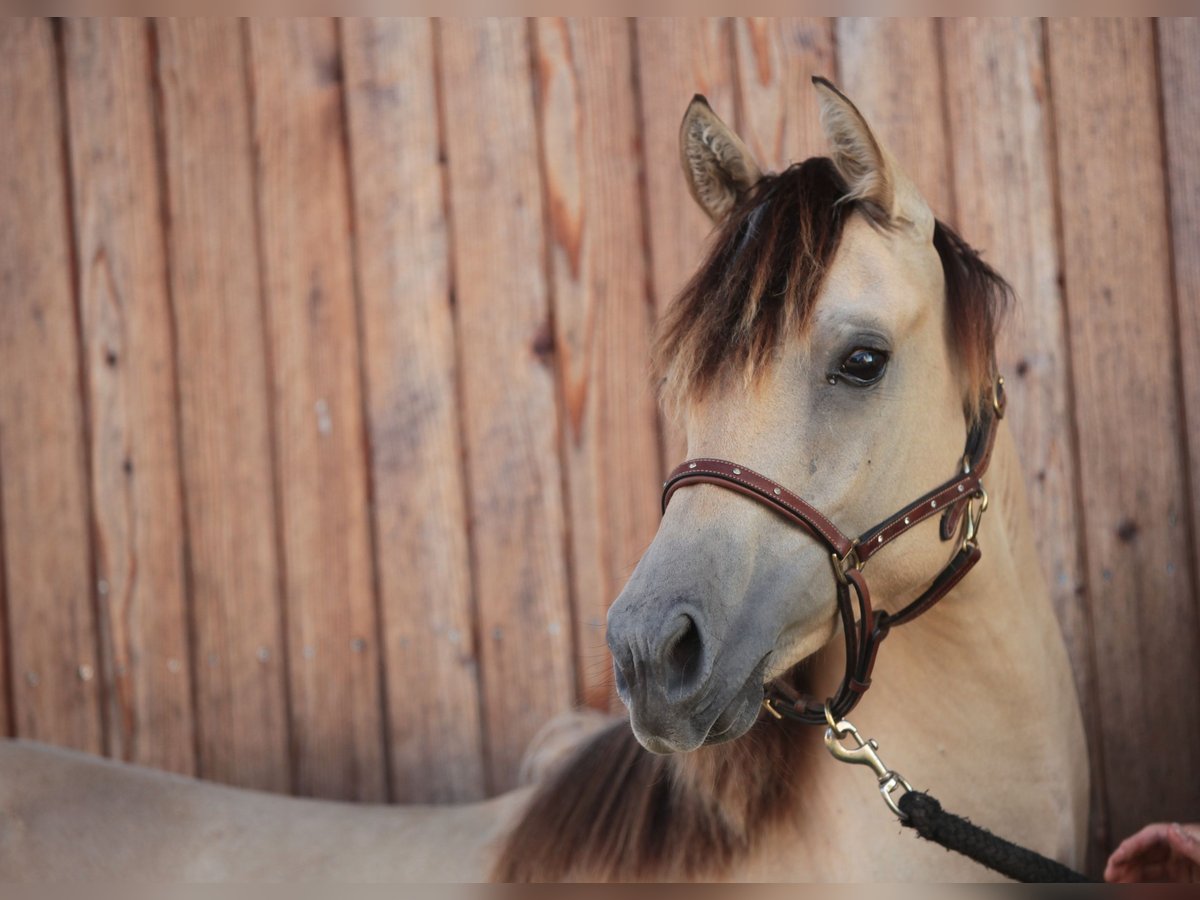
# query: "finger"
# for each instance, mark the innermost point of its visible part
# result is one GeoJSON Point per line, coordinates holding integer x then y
{"type": "Point", "coordinates": [1152, 856]}
{"type": "Point", "coordinates": [1141, 842]}
{"type": "Point", "coordinates": [1119, 873]}
{"type": "Point", "coordinates": [1184, 842]}
{"type": "Point", "coordinates": [1158, 873]}
{"type": "Point", "coordinates": [1135, 874]}
{"type": "Point", "coordinates": [1147, 836]}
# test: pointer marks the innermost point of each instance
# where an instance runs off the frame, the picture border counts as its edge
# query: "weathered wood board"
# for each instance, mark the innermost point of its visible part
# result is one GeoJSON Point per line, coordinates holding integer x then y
{"type": "Point", "coordinates": [676, 59]}
{"type": "Point", "coordinates": [510, 415]}
{"type": "Point", "coordinates": [319, 457]}
{"type": "Point", "coordinates": [128, 354]}
{"type": "Point", "coordinates": [413, 417]}
{"type": "Point", "coordinates": [602, 319]}
{"type": "Point", "coordinates": [50, 591]}
{"type": "Point", "coordinates": [225, 406]}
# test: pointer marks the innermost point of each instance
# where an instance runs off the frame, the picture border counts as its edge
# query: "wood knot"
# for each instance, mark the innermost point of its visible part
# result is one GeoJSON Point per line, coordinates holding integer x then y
{"type": "Point", "coordinates": [1127, 530]}
{"type": "Point", "coordinates": [542, 345]}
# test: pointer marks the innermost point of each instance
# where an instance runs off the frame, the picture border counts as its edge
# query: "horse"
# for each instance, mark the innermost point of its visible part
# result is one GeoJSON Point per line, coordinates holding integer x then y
{"type": "Point", "coordinates": [839, 340]}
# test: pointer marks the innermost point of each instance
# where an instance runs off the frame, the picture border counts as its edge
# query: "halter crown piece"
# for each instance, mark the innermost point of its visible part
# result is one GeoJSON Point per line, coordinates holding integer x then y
{"type": "Point", "coordinates": [962, 499]}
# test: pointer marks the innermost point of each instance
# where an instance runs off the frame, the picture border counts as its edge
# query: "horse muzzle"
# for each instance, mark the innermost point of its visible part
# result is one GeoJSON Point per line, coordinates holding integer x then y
{"type": "Point", "coordinates": [668, 676]}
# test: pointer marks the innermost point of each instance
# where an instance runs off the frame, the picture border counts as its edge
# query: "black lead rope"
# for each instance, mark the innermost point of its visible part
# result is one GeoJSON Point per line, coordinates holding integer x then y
{"type": "Point", "coordinates": [925, 815]}
{"type": "Point", "coordinates": [922, 813]}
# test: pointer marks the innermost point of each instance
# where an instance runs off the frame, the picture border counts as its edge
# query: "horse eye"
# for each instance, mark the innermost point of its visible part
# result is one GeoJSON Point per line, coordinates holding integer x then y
{"type": "Point", "coordinates": [864, 366]}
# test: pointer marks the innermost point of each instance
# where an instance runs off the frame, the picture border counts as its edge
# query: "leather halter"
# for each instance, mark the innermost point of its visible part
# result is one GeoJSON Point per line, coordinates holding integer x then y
{"type": "Point", "coordinates": [951, 500]}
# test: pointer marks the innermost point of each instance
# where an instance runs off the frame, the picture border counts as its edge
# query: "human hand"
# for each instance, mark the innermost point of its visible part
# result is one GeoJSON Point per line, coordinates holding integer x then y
{"type": "Point", "coordinates": [1159, 852]}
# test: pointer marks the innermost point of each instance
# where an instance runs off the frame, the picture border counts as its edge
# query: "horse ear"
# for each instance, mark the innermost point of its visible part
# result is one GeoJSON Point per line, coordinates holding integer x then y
{"type": "Point", "coordinates": [872, 173]}
{"type": "Point", "coordinates": [718, 166]}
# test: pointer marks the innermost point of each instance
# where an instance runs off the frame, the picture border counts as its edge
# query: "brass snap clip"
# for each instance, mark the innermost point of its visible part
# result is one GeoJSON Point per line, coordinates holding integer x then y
{"type": "Point", "coordinates": [976, 507]}
{"type": "Point", "coordinates": [864, 753]}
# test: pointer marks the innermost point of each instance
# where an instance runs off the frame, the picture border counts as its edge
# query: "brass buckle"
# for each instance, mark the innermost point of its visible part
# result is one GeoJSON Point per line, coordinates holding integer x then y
{"type": "Point", "coordinates": [973, 518]}
{"type": "Point", "coordinates": [997, 387]}
{"type": "Point", "coordinates": [769, 706]}
{"type": "Point", "coordinates": [843, 564]}
{"type": "Point", "coordinates": [864, 753]}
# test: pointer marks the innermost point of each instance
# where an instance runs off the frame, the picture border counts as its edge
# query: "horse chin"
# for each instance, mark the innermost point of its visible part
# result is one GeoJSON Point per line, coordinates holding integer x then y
{"type": "Point", "coordinates": [788, 672]}
{"type": "Point", "coordinates": [745, 709]}
{"type": "Point", "coordinates": [734, 720]}
{"type": "Point", "coordinates": [737, 718]}
{"type": "Point", "coordinates": [741, 712]}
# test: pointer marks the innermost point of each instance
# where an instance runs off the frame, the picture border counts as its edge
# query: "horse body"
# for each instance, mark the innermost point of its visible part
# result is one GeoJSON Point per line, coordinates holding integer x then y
{"type": "Point", "coordinates": [67, 815]}
{"type": "Point", "coordinates": [833, 340]}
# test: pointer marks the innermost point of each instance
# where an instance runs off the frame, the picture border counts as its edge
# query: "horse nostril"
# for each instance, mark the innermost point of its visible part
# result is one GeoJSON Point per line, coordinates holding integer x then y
{"type": "Point", "coordinates": [667, 663]}
{"type": "Point", "coordinates": [624, 669]}
{"type": "Point", "coordinates": [684, 654]}
{"type": "Point", "coordinates": [620, 681]}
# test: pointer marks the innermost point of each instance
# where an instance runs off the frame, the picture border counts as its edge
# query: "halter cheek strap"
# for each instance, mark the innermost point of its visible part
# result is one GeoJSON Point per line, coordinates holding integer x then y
{"type": "Point", "coordinates": [960, 502]}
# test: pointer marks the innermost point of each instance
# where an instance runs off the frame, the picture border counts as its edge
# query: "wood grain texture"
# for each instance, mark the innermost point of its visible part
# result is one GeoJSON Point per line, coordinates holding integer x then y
{"type": "Point", "coordinates": [776, 61]}
{"type": "Point", "coordinates": [126, 321]}
{"type": "Point", "coordinates": [602, 319]}
{"type": "Point", "coordinates": [1179, 61]}
{"type": "Point", "coordinates": [890, 69]}
{"type": "Point", "coordinates": [43, 454]}
{"type": "Point", "coordinates": [677, 58]}
{"type": "Point", "coordinates": [1003, 169]}
{"type": "Point", "coordinates": [423, 556]}
{"type": "Point", "coordinates": [320, 458]}
{"type": "Point", "coordinates": [225, 412]}
{"type": "Point", "coordinates": [1124, 352]}
{"type": "Point", "coordinates": [508, 391]}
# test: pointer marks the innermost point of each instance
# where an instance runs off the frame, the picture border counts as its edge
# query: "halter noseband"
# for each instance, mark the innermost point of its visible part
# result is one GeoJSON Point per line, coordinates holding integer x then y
{"type": "Point", "coordinates": [950, 500]}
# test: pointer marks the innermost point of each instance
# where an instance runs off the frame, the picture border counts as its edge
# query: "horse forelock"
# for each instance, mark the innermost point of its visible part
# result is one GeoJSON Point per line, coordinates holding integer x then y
{"type": "Point", "coordinates": [764, 270]}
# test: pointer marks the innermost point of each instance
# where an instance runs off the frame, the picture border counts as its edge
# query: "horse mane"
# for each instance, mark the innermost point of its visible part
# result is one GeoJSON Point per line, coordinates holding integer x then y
{"type": "Point", "coordinates": [616, 812]}
{"type": "Point", "coordinates": [764, 269]}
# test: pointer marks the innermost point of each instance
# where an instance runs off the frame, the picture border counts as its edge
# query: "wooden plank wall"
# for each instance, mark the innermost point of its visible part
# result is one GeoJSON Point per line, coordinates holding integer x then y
{"type": "Point", "coordinates": [326, 434]}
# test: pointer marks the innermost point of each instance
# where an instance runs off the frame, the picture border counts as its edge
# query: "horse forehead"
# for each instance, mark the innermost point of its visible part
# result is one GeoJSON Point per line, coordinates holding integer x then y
{"type": "Point", "coordinates": [879, 269]}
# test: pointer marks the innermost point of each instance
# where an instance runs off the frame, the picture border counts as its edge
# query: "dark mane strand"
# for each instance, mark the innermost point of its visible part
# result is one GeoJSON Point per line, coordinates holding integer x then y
{"type": "Point", "coordinates": [977, 298]}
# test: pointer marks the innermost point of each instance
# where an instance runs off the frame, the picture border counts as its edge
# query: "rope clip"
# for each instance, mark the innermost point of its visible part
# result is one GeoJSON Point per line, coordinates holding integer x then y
{"type": "Point", "coordinates": [864, 753]}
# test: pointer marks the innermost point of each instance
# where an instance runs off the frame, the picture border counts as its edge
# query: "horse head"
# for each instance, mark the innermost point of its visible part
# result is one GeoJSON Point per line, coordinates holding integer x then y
{"type": "Point", "coordinates": [837, 338]}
